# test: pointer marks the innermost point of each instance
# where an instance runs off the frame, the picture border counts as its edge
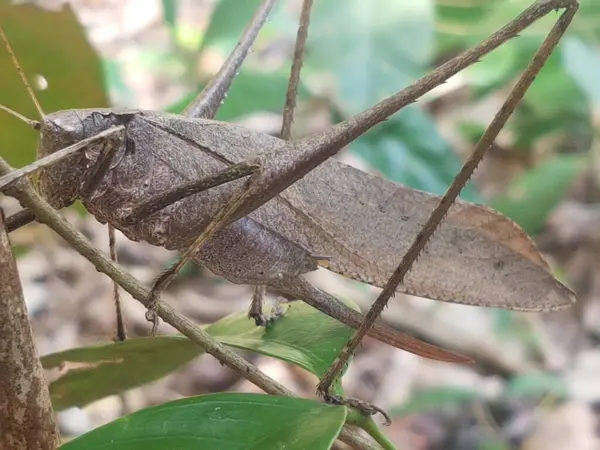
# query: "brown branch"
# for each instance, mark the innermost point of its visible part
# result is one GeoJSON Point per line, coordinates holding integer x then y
{"type": "Point", "coordinates": [26, 416]}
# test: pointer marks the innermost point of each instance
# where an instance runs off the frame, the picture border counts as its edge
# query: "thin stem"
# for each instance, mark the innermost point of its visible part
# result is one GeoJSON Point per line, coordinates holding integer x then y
{"type": "Point", "coordinates": [25, 409]}
{"type": "Point", "coordinates": [292, 90]}
{"type": "Point", "coordinates": [19, 219]}
{"type": "Point", "coordinates": [120, 332]}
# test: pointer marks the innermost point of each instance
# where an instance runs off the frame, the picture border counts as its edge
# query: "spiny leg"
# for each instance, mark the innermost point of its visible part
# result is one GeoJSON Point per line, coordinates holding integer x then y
{"type": "Point", "coordinates": [256, 306]}
{"type": "Point", "coordinates": [206, 104]}
{"type": "Point", "coordinates": [120, 332]}
{"type": "Point", "coordinates": [441, 210]}
{"type": "Point", "coordinates": [166, 198]}
{"type": "Point", "coordinates": [217, 223]}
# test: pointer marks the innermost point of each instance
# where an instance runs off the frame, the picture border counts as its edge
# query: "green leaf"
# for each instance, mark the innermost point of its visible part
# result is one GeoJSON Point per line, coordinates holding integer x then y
{"type": "Point", "coordinates": [531, 197]}
{"type": "Point", "coordinates": [359, 419]}
{"type": "Point", "coordinates": [494, 443]}
{"type": "Point", "coordinates": [388, 46]}
{"type": "Point", "coordinates": [251, 91]}
{"type": "Point", "coordinates": [303, 336]}
{"type": "Point", "coordinates": [536, 385]}
{"type": "Point", "coordinates": [54, 45]}
{"type": "Point", "coordinates": [434, 399]}
{"type": "Point", "coordinates": [554, 103]}
{"type": "Point", "coordinates": [225, 421]}
{"type": "Point", "coordinates": [94, 372]}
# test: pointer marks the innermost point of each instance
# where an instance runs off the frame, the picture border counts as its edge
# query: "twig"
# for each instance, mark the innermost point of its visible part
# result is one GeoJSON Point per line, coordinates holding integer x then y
{"type": "Point", "coordinates": [26, 416]}
{"type": "Point", "coordinates": [446, 202]}
{"type": "Point", "coordinates": [292, 90]}
{"type": "Point", "coordinates": [19, 219]}
{"type": "Point", "coordinates": [120, 332]}
{"type": "Point", "coordinates": [47, 215]}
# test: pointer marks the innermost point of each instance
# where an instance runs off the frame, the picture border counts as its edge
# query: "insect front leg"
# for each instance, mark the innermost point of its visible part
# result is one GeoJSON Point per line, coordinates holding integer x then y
{"type": "Point", "coordinates": [217, 223]}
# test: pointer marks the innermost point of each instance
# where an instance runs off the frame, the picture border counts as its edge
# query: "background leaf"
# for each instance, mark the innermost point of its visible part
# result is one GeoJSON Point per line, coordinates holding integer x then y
{"type": "Point", "coordinates": [95, 372]}
{"type": "Point", "coordinates": [368, 66]}
{"type": "Point", "coordinates": [434, 399]}
{"type": "Point", "coordinates": [303, 336]}
{"type": "Point", "coordinates": [250, 91]}
{"type": "Point", "coordinates": [535, 385]}
{"type": "Point", "coordinates": [227, 22]}
{"type": "Point", "coordinates": [224, 421]}
{"type": "Point", "coordinates": [59, 51]}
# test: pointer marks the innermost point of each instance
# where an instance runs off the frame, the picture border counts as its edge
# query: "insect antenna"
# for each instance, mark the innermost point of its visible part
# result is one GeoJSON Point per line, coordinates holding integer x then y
{"type": "Point", "coordinates": [32, 123]}
{"type": "Point", "coordinates": [13, 56]}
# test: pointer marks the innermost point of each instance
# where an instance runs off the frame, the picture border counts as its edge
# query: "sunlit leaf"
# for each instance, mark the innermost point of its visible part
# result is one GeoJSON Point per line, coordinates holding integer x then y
{"type": "Point", "coordinates": [251, 91]}
{"type": "Point", "coordinates": [82, 375]}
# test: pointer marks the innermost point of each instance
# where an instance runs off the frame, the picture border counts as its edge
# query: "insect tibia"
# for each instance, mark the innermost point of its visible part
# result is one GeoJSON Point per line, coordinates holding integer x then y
{"type": "Point", "coordinates": [32, 123]}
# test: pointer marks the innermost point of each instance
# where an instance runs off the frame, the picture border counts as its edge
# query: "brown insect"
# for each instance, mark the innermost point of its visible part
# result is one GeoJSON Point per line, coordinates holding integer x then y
{"type": "Point", "coordinates": [259, 210]}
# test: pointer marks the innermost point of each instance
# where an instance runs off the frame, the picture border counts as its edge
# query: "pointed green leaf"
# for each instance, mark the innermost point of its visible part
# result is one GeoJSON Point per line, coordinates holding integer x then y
{"type": "Point", "coordinates": [223, 421]}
